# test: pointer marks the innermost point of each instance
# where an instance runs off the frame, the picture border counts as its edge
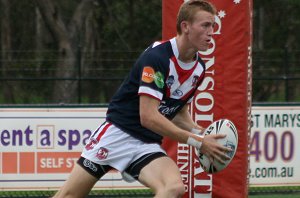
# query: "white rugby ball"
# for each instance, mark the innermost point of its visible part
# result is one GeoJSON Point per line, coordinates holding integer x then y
{"type": "Point", "coordinates": [223, 126]}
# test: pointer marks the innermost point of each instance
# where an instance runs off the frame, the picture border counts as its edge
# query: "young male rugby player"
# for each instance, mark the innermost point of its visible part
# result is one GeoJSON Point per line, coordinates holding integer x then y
{"type": "Point", "coordinates": [150, 104]}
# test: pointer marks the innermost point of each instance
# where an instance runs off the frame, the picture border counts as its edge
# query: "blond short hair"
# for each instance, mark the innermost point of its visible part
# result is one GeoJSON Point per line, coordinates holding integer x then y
{"type": "Point", "coordinates": [188, 10]}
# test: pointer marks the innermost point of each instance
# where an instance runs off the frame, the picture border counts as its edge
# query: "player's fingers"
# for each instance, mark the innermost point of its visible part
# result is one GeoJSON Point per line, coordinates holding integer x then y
{"type": "Point", "coordinates": [220, 136]}
{"type": "Point", "coordinates": [218, 155]}
{"type": "Point", "coordinates": [222, 155]}
{"type": "Point", "coordinates": [211, 159]}
{"type": "Point", "coordinates": [219, 152]}
{"type": "Point", "coordinates": [224, 148]}
{"type": "Point", "coordinates": [219, 159]}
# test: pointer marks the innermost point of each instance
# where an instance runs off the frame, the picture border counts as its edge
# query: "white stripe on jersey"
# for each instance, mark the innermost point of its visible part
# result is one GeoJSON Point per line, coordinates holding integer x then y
{"type": "Point", "coordinates": [176, 54]}
{"type": "Point", "coordinates": [156, 44]}
{"type": "Point", "coordinates": [190, 100]}
{"type": "Point", "coordinates": [149, 91]}
{"type": "Point", "coordinates": [174, 47]}
{"type": "Point", "coordinates": [178, 90]}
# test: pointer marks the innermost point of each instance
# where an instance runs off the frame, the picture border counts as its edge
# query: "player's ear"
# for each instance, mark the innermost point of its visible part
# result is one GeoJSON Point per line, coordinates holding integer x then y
{"type": "Point", "coordinates": [184, 27]}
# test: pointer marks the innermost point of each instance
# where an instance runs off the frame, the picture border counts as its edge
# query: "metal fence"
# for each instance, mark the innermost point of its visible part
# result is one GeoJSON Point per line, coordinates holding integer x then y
{"type": "Point", "coordinates": [27, 80]}
{"type": "Point", "coordinates": [276, 76]}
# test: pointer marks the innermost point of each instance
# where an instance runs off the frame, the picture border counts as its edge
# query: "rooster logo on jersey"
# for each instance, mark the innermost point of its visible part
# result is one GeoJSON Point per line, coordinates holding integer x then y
{"type": "Point", "coordinates": [170, 81]}
{"type": "Point", "coordinates": [102, 153]}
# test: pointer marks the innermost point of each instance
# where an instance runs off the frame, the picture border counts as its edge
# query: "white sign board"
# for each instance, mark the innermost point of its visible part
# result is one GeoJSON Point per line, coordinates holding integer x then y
{"type": "Point", "coordinates": [39, 146]}
{"type": "Point", "coordinates": [275, 146]}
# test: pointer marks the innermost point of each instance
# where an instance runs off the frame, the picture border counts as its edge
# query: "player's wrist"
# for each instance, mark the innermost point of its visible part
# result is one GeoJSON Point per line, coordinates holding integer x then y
{"type": "Point", "coordinates": [195, 142]}
{"type": "Point", "coordinates": [197, 131]}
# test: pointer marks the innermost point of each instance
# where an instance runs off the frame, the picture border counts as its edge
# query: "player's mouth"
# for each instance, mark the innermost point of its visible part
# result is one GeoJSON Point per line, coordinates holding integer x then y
{"type": "Point", "coordinates": [208, 42]}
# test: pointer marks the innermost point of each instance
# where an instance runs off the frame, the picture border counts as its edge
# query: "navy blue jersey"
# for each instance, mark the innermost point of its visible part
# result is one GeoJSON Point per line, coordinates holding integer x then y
{"type": "Point", "coordinates": [159, 74]}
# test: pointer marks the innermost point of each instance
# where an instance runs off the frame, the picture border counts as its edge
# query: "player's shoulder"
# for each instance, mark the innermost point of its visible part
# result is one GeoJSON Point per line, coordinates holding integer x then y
{"type": "Point", "coordinates": [160, 44]}
{"type": "Point", "coordinates": [159, 49]}
{"type": "Point", "coordinates": [157, 55]}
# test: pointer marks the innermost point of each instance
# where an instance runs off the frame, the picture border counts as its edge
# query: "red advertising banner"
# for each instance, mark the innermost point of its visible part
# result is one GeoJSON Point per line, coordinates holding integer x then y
{"type": "Point", "coordinates": [224, 93]}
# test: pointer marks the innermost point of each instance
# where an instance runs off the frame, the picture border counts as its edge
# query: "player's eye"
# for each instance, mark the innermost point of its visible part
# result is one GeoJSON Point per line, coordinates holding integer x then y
{"type": "Point", "coordinates": [206, 25]}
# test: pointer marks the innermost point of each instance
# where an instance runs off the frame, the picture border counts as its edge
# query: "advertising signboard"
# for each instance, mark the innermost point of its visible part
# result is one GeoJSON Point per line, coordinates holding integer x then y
{"type": "Point", "coordinates": [39, 146]}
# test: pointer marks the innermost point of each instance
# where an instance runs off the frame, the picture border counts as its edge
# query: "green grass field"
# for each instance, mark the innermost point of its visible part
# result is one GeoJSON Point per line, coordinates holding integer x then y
{"type": "Point", "coordinates": [274, 192]}
{"type": "Point", "coordinates": [270, 192]}
{"type": "Point", "coordinates": [276, 196]}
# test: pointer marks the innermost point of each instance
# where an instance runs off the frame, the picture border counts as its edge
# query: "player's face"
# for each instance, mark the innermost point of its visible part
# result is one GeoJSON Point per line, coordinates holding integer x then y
{"type": "Point", "coordinates": [200, 31]}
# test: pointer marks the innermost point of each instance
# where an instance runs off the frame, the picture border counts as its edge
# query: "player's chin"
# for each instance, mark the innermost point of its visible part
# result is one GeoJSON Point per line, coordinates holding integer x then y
{"type": "Point", "coordinates": [203, 49]}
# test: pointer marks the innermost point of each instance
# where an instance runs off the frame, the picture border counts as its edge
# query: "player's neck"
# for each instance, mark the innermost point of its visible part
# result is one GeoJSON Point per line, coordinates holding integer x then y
{"type": "Point", "coordinates": [187, 54]}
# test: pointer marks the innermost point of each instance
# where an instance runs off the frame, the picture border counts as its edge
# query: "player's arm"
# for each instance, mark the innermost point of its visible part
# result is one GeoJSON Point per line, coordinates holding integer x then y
{"type": "Point", "coordinates": [152, 119]}
{"type": "Point", "coordinates": [184, 120]}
